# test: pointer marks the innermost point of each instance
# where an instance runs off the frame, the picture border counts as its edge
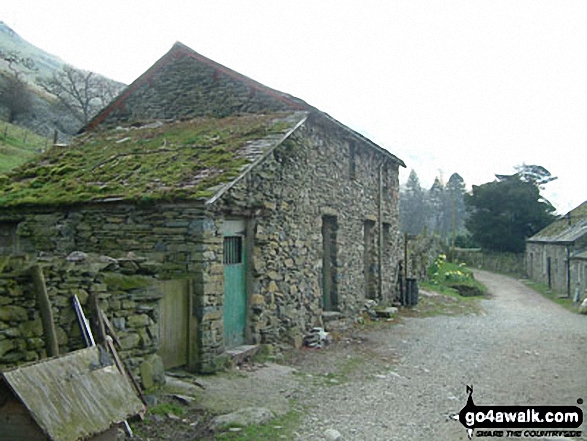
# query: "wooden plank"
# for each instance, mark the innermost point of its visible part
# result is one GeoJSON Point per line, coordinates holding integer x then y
{"type": "Point", "coordinates": [174, 323]}
{"type": "Point", "coordinates": [97, 319]}
{"type": "Point", "coordinates": [45, 308]}
{"type": "Point", "coordinates": [125, 372]}
{"type": "Point", "coordinates": [110, 329]}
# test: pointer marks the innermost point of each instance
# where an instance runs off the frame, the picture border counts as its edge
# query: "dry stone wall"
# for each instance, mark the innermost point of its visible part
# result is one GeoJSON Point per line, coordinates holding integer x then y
{"type": "Point", "coordinates": [179, 241]}
{"type": "Point", "coordinates": [126, 295]}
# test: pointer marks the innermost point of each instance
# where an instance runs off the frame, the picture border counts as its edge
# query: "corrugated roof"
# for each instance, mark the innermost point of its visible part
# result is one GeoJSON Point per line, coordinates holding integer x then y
{"type": "Point", "coordinates": [74, 396]}
{"type": "Point", "coordinates": [566, 229]}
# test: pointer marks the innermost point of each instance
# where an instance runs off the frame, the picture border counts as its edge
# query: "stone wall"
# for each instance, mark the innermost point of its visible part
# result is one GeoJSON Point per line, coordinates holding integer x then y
{"type": "Point", "coordinates": [579, 278]}
{"type": "Point", "coordinates": [422, 251]}
{"type": "Point", "coordinates": [504, 263]}
{"type": "Point", "coordinates": [178, 240]}
{"type": "Point", "coordinates": [539, 256]}
{"type": "Point", "coordinates": [187, 87]}
{"type": "Point", "coordinates": [126, 295]}
{"type": "Point", "coordinates": [321, 172]}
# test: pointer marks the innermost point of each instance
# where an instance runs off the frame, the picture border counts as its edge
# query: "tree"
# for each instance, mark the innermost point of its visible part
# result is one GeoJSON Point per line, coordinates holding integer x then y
{"type": "Point", "coordinates": [536, 174]}
{"type": "Point", "coordinates": [503, 213]}
{"type": "Point", "coordinates": [82, 93]}
{"type": "Point", "coordinates": [439, 210]}
{"type": "Point", "coordinates": [14, 93]}
{"type": "Point", "coordinates": [413, 210]}
{"type": "Point", "coordinates": [455, 189]}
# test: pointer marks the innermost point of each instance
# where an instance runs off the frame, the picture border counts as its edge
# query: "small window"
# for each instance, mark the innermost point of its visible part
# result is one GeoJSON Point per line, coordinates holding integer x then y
{"type": "Point", "coordinates": [233, 250]}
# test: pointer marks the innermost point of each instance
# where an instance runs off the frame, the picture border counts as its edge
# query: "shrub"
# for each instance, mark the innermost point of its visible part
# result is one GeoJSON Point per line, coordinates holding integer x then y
{"type": "Point", "coordinates": [455, 276]}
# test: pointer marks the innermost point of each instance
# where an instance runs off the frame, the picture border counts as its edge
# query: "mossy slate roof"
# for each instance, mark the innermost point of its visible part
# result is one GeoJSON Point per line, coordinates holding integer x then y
{"type": "Point", "coordinates": [564, 231]}
{"type": "Point", "coordinates": [193, 160]}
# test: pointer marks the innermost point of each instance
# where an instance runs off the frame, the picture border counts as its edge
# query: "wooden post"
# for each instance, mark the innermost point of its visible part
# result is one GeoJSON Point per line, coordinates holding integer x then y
{"type": "Point", "coordinates": [97, 319]}
{"type": "Point", "coordinates": [55, 133]}
{"type": "Point", "coordinates": [405, 275]}
{"type": "Point", "coordinates": [46, 312]}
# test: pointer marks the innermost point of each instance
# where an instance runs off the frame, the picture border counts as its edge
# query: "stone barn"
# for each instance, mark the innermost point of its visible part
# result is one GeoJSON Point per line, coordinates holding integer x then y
{"type": "Point", "coordinates": [555, 255]}
{"type": "Point", "coordinates": [264, 216]}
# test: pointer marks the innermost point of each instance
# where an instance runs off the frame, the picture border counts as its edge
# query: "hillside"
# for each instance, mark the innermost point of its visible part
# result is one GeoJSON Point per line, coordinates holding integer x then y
{"type": "Point", "coordinates": [47, 114]}
{"type": "Point", "coordinates": [18, 145]}
{"type": "Point", "coordinates": [44, 62]}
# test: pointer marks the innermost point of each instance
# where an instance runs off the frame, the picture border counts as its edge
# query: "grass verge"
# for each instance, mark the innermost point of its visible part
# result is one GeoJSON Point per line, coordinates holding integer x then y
{"type": "Point", "coordinates": [281, 427]}
{"type": "Point", "coordinates": [554, 296]}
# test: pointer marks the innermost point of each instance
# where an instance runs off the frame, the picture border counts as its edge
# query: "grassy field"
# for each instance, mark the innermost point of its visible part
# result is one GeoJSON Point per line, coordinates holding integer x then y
{"type": "Point", "coordinates": [18, 145]}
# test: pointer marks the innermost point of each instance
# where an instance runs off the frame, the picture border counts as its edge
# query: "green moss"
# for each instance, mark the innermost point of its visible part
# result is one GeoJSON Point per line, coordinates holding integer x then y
{"type": "Point", "coordinates": [559, 226]}
{"type": "Point", "coordinates": [281, 427]}
{"type": "Point", "coordinates": [126, 283]}
{"type": "Point", "coordinates": [167, 409]}
{"type": "Point", "coordinates": [184, 159]}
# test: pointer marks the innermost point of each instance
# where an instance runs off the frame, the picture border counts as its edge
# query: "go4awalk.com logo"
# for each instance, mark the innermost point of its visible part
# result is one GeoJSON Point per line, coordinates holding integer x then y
{"type": "Point", "coordinates": [520, 421]}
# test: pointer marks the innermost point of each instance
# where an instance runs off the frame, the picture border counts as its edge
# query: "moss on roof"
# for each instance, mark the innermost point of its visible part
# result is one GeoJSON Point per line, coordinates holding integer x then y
{"type": "Point", "coordinates": [561, 228]}
{"type": "Point", "coordinates": [178, 160]}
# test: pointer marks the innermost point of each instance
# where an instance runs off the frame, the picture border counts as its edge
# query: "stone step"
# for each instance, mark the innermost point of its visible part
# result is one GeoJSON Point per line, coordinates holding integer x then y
{"type": "Point", "coordinates": [239, 354]}
{"type": "Point", "coordinates": [388, 312]}
{"type": "Point", "coordinates": [328, 316]}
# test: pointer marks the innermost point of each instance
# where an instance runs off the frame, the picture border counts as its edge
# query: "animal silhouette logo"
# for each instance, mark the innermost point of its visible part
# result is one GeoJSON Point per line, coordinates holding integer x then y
{"type": "Point", "coordinates": [472, 417]}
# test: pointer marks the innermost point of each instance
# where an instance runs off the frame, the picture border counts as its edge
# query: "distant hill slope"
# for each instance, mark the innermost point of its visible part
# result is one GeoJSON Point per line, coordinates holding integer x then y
{"type": "Point", "coordinates": [18, 145]}
{"type": "Point", "coordinates": [45, 62]}
{"type": "Point", "coordinates": [47, 114]}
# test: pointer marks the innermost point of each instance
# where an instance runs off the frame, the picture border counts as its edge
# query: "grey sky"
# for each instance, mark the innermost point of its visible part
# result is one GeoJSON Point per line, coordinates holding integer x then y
{"type": "Point", "coordinates": [474, 87]}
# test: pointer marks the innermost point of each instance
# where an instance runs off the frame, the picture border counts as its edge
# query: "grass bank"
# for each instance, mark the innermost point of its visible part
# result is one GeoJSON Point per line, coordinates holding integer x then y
{"type": "Point", "coordinates": [18, 145]}
{"type": "Point", "coordinates": [556, 297]}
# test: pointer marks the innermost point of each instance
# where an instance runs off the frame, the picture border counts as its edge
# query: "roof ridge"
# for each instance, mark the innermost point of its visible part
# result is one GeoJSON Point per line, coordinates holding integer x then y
{"type": "Point", "coordinates": [177, 50]}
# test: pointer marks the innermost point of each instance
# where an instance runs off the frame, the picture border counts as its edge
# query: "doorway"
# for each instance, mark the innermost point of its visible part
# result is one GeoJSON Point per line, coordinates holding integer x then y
{"type": "Point", "coordinates": [235, 295]}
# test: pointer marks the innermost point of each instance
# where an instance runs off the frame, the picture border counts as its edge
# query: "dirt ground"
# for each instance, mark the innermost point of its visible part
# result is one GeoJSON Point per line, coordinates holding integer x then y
{"type": "Point", "coordinates": [398, 379]}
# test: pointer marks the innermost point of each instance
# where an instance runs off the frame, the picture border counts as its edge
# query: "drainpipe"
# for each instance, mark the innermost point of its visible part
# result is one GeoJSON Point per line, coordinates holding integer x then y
{"type": "Point", "coordinates": [568, 247]}
{"type": "Point", "coordinates": [569, 223]}
{"type": "Point", "coordinates": [380, 232]}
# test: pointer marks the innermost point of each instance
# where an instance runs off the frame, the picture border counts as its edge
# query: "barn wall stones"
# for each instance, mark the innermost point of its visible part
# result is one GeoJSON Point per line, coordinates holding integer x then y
{"type": "Point", "coordinates": [126, 295]}
{"type": "Point", "coordinates": [323, 191]}
{"type": "Point", "coordinates": [322, 174]}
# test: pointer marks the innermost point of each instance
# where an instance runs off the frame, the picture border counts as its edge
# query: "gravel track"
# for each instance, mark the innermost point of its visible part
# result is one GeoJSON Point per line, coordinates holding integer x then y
{"type": "Point", "coordinates": [404, 380]}
{"type": "Point", "coordinates": [401, 380]}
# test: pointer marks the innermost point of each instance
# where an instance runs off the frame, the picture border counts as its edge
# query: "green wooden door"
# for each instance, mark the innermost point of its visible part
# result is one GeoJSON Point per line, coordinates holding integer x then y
{"type": "Point", "coordinates": [235, 297]}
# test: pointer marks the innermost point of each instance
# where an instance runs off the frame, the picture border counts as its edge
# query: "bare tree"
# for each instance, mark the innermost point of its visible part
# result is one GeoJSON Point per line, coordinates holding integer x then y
{"type": "Point", "coordinates": [14, 93]}
{"type": "Point", "coordinates": [82, 93]}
